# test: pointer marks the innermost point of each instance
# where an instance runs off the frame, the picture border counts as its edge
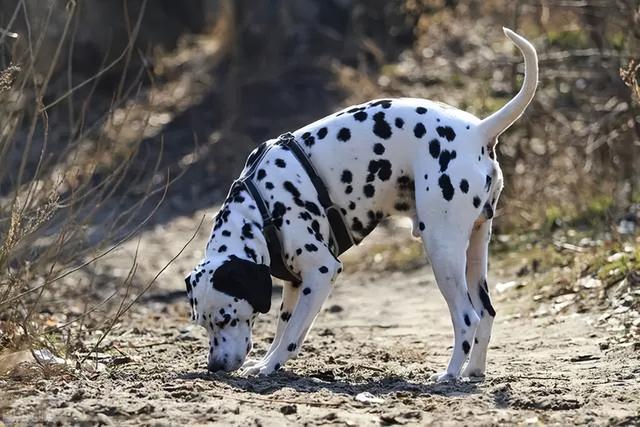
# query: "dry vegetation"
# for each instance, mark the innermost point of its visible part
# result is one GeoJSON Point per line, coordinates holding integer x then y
{"type": "Point", "coordinates": [71, 190]}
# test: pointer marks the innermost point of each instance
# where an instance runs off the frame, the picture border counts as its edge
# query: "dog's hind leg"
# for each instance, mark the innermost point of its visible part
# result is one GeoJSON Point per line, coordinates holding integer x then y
{"type": "Point", "coordinates": [477, 255]}
{"type": "Point", "coordinates": [445, 237]}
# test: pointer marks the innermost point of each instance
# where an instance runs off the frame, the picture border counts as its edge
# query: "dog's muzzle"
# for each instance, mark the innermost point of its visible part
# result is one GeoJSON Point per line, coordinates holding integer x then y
{"type": "Point", "coordinates": [215, 366]}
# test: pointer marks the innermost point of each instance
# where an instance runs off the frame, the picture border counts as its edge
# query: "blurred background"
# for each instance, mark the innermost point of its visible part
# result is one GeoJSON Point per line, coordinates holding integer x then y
{"type": "Point", "coordinates": [124, 115]}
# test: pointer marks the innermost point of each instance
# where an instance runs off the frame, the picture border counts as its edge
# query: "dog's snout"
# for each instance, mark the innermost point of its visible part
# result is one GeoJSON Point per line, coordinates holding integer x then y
{"type": "Point", "coordinates": [215, 366]}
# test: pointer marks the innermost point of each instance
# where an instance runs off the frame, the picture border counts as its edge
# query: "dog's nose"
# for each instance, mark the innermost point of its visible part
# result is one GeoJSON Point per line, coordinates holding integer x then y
{"type": "Point", "coordinates": [216, 366]}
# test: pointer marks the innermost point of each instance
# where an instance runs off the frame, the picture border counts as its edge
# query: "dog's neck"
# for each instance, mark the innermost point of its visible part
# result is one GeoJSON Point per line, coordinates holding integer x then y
{"type": "Point", "coordinates": [237, 231]}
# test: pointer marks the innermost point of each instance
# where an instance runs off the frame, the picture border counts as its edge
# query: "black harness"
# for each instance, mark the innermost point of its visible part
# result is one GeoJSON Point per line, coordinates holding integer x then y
{"type": "Point", "coordinates": [340, 236]}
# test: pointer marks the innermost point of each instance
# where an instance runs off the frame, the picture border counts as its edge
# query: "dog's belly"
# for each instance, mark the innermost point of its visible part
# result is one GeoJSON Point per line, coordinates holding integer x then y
{"type": "Point", "coordinates": [368, 155]}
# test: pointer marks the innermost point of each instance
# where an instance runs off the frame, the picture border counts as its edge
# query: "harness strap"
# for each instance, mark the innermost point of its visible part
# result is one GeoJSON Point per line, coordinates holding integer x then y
{"type": "Point", "coordinates": [340, 236]}
{"type": "Point", "coordinates": [278, 267]}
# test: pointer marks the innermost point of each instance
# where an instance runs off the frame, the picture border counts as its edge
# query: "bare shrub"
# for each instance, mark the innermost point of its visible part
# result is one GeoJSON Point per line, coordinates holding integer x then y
{"type": "Point", "coordinates": [68, 192]}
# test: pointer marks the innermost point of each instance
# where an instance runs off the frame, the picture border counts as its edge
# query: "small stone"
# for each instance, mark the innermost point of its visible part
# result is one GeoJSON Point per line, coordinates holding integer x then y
{"type": "Point", "coordinates": [335, 309]}
{"type": "Point", "coordinates": [289, 409]}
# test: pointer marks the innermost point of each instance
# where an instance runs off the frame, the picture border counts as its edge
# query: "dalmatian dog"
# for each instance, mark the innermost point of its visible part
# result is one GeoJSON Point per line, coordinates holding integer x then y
{"type": "Point", "coordinates": [413, 157]}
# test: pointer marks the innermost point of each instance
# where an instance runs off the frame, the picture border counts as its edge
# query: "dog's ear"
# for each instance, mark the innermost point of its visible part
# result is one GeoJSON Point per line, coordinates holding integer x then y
{"type": "Point", "coordinates": [247, 280]}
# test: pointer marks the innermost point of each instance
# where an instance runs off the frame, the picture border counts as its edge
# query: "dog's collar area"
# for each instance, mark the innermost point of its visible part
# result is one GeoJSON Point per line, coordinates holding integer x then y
{"type": "Point", "coordinates": [340, 238]}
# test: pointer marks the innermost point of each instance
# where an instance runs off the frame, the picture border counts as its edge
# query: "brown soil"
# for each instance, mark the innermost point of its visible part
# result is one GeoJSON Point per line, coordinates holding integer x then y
{"type": "Point", "coordinates": [383, 333]}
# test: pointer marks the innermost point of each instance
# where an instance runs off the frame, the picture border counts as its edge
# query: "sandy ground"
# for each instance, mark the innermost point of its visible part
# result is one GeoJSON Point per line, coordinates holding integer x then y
{"type": "Point", "coordinates": [380, 333]}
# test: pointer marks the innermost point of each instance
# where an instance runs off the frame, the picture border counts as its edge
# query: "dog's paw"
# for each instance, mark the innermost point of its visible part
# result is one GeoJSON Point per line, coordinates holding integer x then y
{"type": "Point", "coordinates": [249, 363]}
{"type": "Point", "coordinates": [443, 377]}
{"type": "Point", "coordinates": [473, 373]}
{"type": "Point", "coordinates": [260, 368]}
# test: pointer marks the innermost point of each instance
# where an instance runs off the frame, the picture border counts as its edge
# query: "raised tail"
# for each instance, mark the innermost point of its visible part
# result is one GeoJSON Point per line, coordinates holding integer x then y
{"type": "Point", "coordinates": [499, 121]}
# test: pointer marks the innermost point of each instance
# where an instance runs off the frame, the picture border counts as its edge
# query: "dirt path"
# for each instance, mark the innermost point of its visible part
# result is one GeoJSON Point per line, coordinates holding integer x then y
{"type": "Point", "coordinates": [379, 333]}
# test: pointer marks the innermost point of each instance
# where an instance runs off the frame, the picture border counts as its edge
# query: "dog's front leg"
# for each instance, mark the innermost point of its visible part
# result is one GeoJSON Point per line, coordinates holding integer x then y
{"type": "Point", "coordinates": [290, 292]}
{"type": "Point", "coordinates": [315, 289]}
{"type": "Point", "coordinates": [477, 255]}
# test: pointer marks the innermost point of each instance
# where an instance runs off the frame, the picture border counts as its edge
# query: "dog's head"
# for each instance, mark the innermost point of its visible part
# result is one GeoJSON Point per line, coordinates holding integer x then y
{"type": "Point", "coordinates": [226, 299]}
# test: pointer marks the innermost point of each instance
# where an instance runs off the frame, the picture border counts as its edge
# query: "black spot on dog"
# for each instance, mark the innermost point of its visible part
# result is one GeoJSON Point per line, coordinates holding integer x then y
{"type": "Point", "coordinates": [380, 167]}
{"type": "Point", "coordinates": [466, 347]}
{"type": "Point", "coordinates": [378, 148]}
{"type": "Point", "coordinates": [486, 301]}
{"type": "Point", "coordinates": [310, 247]}
{"type": "Point", "coordinates": [380, 127]}
{"type": "Point", "coordinates": [434, 148]}
{"type": "Point", "coordinates": [222, 249]}
{"type": "Point", "coordinates": [312, 207]}
{"type": "Point", "coordinates": [277, 213]}
{"type": "Point", "coordinates": [344, 135]}
{"type": "Point", "coordinates": [487, 183]}
{"type": "Point", "coordinates": [298, 251]}
{"type": "Point", "coordinates": [446, 132]}
{"type": "Point", "coordinates": [445, 184]}
{"type": "Point", "coordinates": [285, 316]}
{"type": "Point", "coordinates": [281, 163]}
{"type": "Point", "coordinates": [261, 174]}
{"type": "Point", "coordinates": [464, 186]}
{"type": "Point", "coordinates": [466, 320]}
{"type": "Point", "coordinates": [277, 367]}
{"type": "Point", "coordinates": [269, 185]}
{"type": "Point", "coordinates": [246, 231]}
{"type": "Point", "coordinates": [421, 110]}
{"type": "Point", "coordinates": [305, 216]}
{"type": "Point", "coordinates": [308, 139]}
{"type": "Point", "coordinates": [352, 205]}
{"type": "Point", "coordinates": [322, 132]}
{"type": "Point", "coordinates": [323, 270]}
{"type": "Point", "coordinates": [421, 226]}
{"type": "Point", "coordinates": [445, 157]}
{"type": "Point", "coordinates": [399, 123]}
{"type": "Point", "coordinates": [356, 225]}
{"type": "Point", "coordinates": [306, 291]}
{"type": "Point", "coordinates": [360, 116]}
{"type": "Point", "coordinates": [419, 130]}
{"type": "Point", "coordinates": [476, 201]}
{"type": "Point", "coordinates": [288, 185]}
{"type": "Point", "coordinates": [369, 190]}
{"type": "Point", "coordinates": [226, 233]}
{"type": "Point", "coordinates": [291, 347]}
{"type": "Point", "coordinates": [251, 253]}
{"type": "Point", "coordinates": [346, 176]}
{"type": "Point", "coordinates": [348, 189]}
{"type": "Point", "coordinates": [384, 103]}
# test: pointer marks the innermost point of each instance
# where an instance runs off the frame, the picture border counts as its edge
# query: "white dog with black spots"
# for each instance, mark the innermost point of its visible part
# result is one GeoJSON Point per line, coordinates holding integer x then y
{"type": "Point", "coordinates": [413, 157]}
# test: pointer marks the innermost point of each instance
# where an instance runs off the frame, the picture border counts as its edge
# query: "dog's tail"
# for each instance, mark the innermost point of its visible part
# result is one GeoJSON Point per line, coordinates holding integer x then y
{"type": "Point", "coordinates": [499, 121]}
